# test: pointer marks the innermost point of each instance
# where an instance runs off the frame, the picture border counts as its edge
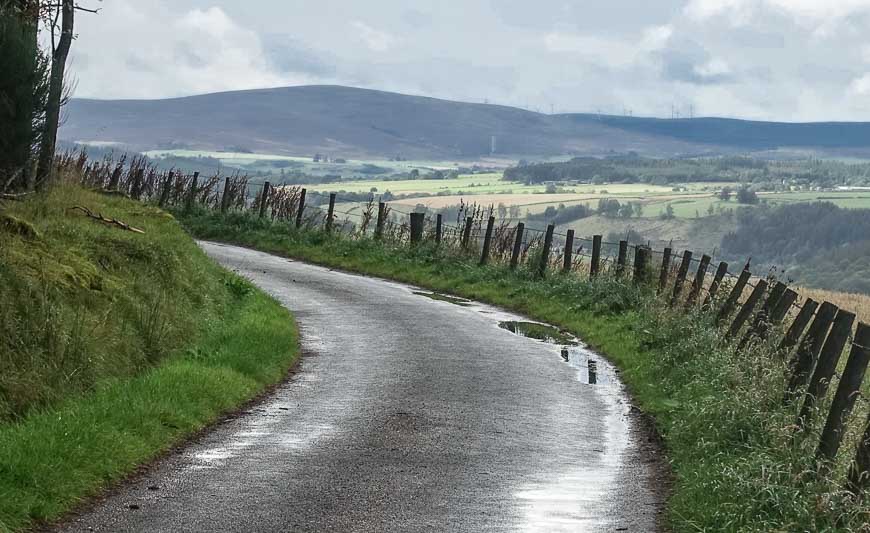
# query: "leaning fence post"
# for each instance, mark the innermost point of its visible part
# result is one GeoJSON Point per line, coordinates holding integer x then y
{"type": "Point", "coordinates": [191, 194]}
{"type": "Point", "coordinates": [745, 311]}
{"type": "Point", "coordinates": [225, 196]}
{"type": "Point", "coordinates": [466, 233]}
{"type": "Point", "coordinates": [716, 283]}
{"type": "Point", "coordinates": [331, 212]}
{"type": "Point", "coordinates": [828, 359]}
{"type": "Point", "coordinates": [666, 267]}
{"type": "Point", "coordinates": [167, 188]}
{"type": "Point", "coordinates": [734, 296]}
{"type": "Point", "coordinates": [518, 245]}
{"type": "Point", "coordinates": [698, 283]}
{"type": "Point", "coordinates": [681, 276]}
{"type": "Point", "coordinates": [438, 227]}
{"type": "Point", "coordinates": [264, 198]}
{"type": "Point", "coordinates": [487, 240]}
{"type": "Point", "coordinates": [793, 335]}
{"type": "Point", "coordinates": [568, 258]}
{"type": "Point", "coordinates": [301, 209]}
{"type": "Point", "coordinates": [808, 351]}
{"type": "Point", "coordinates": [417, 221]}
{"type": "Point", "coordinates": [844, 399]}
{"type": "Point", "coordinates": [783, 306]}
{"type": "Point", "coordinates": [759, 326]}
{"type": "Point", "coordinates": [595, 266]}
{"type": "Point", "coordinates": [545, 253]}
{"type": "Point", "coordinates": [859, 470]}
{"type": "Point", "coordinates": [621, 258]}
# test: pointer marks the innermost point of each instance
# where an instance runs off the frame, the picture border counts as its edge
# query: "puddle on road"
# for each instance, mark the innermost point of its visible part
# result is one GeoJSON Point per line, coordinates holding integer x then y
{"type": "Point", "coordinates": [541, 332]}
{"type": "Point", "coordinates": [444, 298]}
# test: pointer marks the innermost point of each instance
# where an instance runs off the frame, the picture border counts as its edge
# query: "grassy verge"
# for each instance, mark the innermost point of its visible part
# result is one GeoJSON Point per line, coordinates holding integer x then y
{"type": "Point", "coordinates": [728, 435]}
{"type": "Point", "coordinates": [115, 346]}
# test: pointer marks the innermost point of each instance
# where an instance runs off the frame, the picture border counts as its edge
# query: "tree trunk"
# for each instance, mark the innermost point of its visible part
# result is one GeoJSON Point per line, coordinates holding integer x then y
{"type": "Point", "coordinates": [45, 169]}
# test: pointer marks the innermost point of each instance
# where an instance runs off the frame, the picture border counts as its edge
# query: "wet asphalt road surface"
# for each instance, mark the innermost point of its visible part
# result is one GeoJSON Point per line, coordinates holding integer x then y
{"type": "Point", "coordinates": [406, 414]}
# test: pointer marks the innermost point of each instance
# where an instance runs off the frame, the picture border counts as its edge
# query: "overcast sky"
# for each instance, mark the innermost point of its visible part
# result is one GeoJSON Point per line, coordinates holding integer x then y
{"type": "Point", "coordinates": [793, 60]}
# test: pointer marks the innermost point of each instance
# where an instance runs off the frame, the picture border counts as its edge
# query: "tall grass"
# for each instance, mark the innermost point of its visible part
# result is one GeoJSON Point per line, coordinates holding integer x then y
{"type": "Point", "coordinates": [737, 462]}
{"type": "Point", "coordinates": [114, 346]}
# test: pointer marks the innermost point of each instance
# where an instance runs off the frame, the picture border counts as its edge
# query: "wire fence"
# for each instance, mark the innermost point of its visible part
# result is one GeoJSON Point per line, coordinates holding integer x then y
{"type": "Point", "coordinates": [749, 309]}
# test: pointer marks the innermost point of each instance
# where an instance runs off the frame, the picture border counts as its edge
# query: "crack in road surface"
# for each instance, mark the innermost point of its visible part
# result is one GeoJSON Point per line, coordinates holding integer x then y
{"type": "Point", "coordinates": [407, 414]}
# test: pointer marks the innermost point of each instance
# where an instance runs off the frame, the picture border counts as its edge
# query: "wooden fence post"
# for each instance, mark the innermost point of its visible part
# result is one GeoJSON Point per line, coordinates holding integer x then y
{"type": "Point", "coordinates": [716, 283]}
{"type": "Point", "coordinates": [783, 306]}
{"type": "Point", "coordinates": [745, 311]}
{"type": "Point", "coordinates": [438, 227]}
{"type": "Point", "coordinates": [191, 193]}
{"type": "Point", "coordinates": [518, 245]}
{"type": "Point", "coordinates": [301, 210]}
{"type": "Point", "coordinates": [641, 258]}
{"type": "Point", "coordinates": [621, 258]}
{"type": "Point", "coordinates": [796, 330]}
{"type": "Point", "coordinates": [264, 198]}
{"type": "Point", "coordinates": [330, 213]}
{"type": "Point", "coordinates": [828, 359]}
{"type": "Point", "coordinates": [844, 399]}
{"type": "Point", "coordinates": [595, 266]}
{"type": "Point", "coordinates": [859, 470]}
{"type": "Point", "coordinates": [808, 351]}
{"type": "Point", "coordinates": [379, 224]}
{"type": "Point", "coordinates": [698, 282]}
{"type": "Point", "coordinates": [167, 188]}
{"type": "Point", "coordinates": [568, 259]}
{"type": "Point", "coordinates": [734, 296]}
{"type": "Point", "coordinates": [136, 186]}
{"type": "Point", "coordinates": [466, 233]}
{"type": "Point", "coordinates": [759, 326]}
{"type": "Point", "coordinates": [115, 179]}
{"type": "Point", "coordinates": [545, 253]}
{"type": "Point", "coordinates": [666, 268]}
{"type": "Point", "coordinates": [225, 196]}
{"type": "Point", "coordinates": [487, 240]}
{"type": "Point", "coordinates": [681, 276]}
{"type": "Point", "coordinates": [417, 223]}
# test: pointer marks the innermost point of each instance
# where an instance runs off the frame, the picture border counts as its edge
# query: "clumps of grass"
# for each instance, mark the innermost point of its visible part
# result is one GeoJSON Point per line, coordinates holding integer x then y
{"type": "Point", "coordinates": [114, 346]}
{"type": "Point", "coordinates": [86, 302]}
{"type": "Point", "coordinates": [238, 286]}
{"type": "Point", "coordinates": [17, 226]}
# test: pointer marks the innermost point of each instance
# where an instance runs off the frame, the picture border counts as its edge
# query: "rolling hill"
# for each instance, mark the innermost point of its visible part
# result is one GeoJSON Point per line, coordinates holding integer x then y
{"type": "Point", "coordinates": [362, 123]}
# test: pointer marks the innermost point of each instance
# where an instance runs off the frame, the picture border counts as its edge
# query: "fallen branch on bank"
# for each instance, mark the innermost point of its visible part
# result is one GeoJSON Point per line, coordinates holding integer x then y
{"type": "Point", "coordinates": [110, 221]}
{"type": "Point", "coordinates": [15, 197]}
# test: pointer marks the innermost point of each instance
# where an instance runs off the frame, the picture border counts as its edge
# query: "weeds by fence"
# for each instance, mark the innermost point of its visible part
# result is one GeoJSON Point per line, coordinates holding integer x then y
{"type": "Point", "coordinates": [749, 310]}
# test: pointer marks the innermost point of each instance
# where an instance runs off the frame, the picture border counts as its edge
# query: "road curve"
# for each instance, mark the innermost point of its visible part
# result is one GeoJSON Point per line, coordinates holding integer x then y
{"type": "Point", "coordinates": [407, 414]}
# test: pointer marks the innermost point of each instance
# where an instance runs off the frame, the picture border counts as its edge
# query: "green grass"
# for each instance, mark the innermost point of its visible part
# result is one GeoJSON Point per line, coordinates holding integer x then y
{"type": "Point", "coordinates": [115, 346]}
{"type": "Point", "coordinates": [727, 433]}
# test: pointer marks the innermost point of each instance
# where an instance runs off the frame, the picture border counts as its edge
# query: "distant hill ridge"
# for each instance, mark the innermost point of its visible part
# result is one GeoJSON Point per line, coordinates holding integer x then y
{"type": "Point", "coordinates": [352, 122]}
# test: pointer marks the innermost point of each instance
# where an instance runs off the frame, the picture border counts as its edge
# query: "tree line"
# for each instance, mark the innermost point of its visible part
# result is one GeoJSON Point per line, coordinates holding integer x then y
{"type": "Point", "coordinates": [819, 244]}
{"type": "Point", "coordinates": [762, 175]}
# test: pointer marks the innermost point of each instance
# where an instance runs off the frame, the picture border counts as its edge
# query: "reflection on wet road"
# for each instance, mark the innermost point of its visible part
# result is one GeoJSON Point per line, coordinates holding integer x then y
{"type": "Point", "coordinates": [408, 413]}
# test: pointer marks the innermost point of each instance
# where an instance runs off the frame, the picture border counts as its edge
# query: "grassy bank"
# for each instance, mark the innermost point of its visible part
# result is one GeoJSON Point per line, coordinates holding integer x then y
{"type": "Point", "coordinates": [114, 346]}
{"type": "Point", "coordinates": [727, 433]}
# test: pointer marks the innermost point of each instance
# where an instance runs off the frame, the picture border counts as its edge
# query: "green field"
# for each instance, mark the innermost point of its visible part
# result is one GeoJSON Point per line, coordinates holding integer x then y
{"type": "Point", "coordinates": [270, 165]}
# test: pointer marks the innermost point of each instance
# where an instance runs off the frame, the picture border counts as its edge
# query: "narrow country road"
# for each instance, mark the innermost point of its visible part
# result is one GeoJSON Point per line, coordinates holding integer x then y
{"type": "Point", "coordinates": [407, 414]}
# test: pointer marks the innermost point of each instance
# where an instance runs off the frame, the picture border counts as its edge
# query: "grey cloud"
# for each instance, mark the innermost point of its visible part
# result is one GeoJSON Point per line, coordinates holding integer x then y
{"type": "Point", "coordinates": [685, 60]}
{"type": "Point", "coordinates": [289, 55]}
{"type": "Point", "coordinates": [603, 17]}
{"type": "Point", "coordinates": [416, 18]}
